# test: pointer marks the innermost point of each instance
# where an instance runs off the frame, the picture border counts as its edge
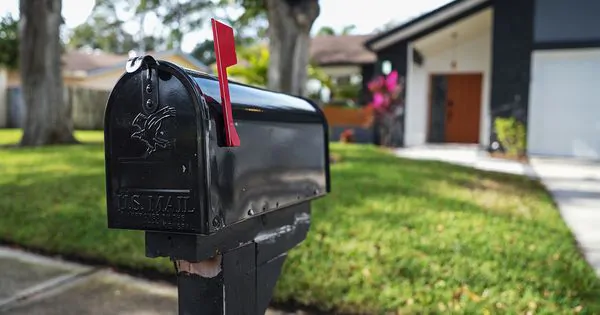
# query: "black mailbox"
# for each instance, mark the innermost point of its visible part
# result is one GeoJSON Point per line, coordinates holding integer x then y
{"type": "Point", "coordinates": [167, 163]}
{"type": "Point", "coordinates": [219, 175]}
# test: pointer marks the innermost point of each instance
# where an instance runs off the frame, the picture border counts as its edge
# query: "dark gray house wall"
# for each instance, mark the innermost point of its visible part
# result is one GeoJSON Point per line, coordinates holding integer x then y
{"type": "Point", "coordinates": [397, 55]}
{"type": "Point", "coordinates": [511, 50]}
{"type": "Point", "coordinates": [567, 21]}
{"type": "Point", "coordinates": [367, 73]}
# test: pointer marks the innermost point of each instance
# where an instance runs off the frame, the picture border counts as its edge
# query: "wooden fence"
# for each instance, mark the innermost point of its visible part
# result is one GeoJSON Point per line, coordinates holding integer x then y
{"type": "Point", "coordinates": [87, 107]}
{"type": "Point", "coordinates": [345, 116]}
{"type": "Point", "coordinates": [88, 113]}
{"type": "Point", "coordinates": [358, 120]}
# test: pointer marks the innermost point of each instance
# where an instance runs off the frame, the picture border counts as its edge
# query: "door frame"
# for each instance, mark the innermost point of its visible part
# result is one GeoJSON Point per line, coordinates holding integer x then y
{"type": "Point", "coordinates": [430, 91]}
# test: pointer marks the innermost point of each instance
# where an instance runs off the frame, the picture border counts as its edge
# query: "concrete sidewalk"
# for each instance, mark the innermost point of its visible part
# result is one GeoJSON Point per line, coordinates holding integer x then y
{"type": "Point", "coordinates": [467, 155]}
{"type": "Point", "coordinates": [32, 284]}
{"type": "Point", "coordinates": [575, 187]}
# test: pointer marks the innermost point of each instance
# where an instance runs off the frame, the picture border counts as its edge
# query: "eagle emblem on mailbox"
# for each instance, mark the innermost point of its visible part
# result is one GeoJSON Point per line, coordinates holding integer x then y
{"type": "Point", "coordinates": [150, 129]}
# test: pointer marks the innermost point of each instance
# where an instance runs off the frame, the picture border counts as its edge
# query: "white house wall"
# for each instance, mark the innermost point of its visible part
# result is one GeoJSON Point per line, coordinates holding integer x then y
{"type": "Point", "coordinates": [472, 56]}
{"type": "Point", "coordinates": [416, 104]}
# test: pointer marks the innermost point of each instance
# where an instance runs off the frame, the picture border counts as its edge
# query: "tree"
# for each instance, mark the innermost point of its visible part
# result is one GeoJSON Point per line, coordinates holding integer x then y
{"type": "Point", "coordinates": [326, 30]}
{"type": "Point", "coordinates": [290, 22]}
{"type": "Point", "coordinates": [205, 52]}
{"type": "Point", "coordinates": [348, 29]}
{"type": "Point", "coordinates": [253, 65]}
{"type": "Point", "coordinates": [48, 119]}
{"type": "Point", "coordinates": [109, 37]}
{"type": "Point", "coordinates": [330, 31]}
{"type": "Point", "coordinates": [179, 16]}
{"type": "Point", "coordinates": [9, 42]}
{"type": "Point", "coordinates": [104, 30]}
{"type": "Point", "coordinates": [100, 34]}
{"type": "Point", "coordinates": [289, 25]}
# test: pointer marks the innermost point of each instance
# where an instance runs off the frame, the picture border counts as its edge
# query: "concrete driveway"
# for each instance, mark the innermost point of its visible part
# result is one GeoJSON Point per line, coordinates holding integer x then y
{"type": "Point", "coordinates": [575, 187]}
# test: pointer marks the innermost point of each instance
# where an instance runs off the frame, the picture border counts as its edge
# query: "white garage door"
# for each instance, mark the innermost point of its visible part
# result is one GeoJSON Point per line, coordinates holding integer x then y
{"type": "Point", "coordinates": [564, 108]}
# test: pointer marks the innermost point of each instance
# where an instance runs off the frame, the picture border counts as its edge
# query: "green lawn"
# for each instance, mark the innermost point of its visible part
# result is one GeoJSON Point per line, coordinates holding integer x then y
{"type": "Point", "coordinates": [395, 235]}
{"type": "Point", "coordinates": [12, 136]}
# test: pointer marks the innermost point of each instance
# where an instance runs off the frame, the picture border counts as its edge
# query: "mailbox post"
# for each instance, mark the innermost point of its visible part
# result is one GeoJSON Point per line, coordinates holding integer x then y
{"type": "Point", "coordinates": [219, 175]}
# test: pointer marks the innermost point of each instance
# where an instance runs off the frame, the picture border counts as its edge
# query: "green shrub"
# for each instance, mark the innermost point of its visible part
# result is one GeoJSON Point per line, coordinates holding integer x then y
{"type": "Point", "coordinates": [512, 135]}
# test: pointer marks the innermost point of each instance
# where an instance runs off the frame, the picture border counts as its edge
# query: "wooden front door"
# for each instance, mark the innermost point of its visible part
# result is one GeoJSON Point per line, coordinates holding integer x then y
{"type": "Point", "coordinates": [455, 108]}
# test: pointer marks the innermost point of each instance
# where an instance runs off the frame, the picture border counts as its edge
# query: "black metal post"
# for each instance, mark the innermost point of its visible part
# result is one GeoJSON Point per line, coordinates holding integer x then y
{"type": "Point", "coordinates": [230, 284]}
{"type": "Point", "coordinates": [239, 279]}
{"type": "Point", "coordinates": [200, 287]}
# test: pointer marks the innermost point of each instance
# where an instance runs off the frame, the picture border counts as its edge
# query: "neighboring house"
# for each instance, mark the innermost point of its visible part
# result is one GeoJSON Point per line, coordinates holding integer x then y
{"type": "Point", "coordinates": [344, 58]}
{"type": "Point", "coordinates": [473, 60]}
{"type": "Point", "coordinates": [93, 74]}
{"type": "Point", "coordinates": [100, 71]}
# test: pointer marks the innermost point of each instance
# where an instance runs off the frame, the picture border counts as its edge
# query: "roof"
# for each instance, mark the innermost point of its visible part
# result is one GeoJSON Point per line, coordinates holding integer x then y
{"type": "Point", "coordinates": [79, 60]}
{"type": "Point", "coordinates": [445, 14]}
{"type": "Point", "coordinates": [97, 62]}
{"type": "Point", "coordinates": [341, 49]}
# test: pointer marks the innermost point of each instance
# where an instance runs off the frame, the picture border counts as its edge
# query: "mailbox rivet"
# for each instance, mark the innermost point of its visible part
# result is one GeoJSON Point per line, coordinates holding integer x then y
{"type": "Point", "coordinates": [250, 212]}
{"type": "Point", "coordinates": [148, 88]}
{"type": "Point", "coordinates": [149, 103]}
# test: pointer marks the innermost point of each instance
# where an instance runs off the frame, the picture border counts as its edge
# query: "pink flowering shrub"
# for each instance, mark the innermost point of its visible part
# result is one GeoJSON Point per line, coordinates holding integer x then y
{"type": "Point", "coordinates": [387, 108]}
{"type": "Point", "coordinates": [386, 91]}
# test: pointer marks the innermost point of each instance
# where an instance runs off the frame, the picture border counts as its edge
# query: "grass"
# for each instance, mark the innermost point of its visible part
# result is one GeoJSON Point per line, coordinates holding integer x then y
{"type": "Point", "coordinates": [394, 236]}
{"type": "Point", "coordinates": [12, 136]}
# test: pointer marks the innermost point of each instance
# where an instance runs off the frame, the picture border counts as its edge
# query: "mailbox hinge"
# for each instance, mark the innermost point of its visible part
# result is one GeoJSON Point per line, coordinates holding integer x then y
{"type": "Point", "coordinates": [149, 80]}
{"type": "Point", "coordinates": [149, 89]}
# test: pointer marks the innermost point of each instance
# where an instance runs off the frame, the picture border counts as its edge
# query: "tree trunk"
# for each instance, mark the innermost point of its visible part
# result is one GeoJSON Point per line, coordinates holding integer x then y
{"type": "Point", "coordinates": [290, 22]}
{"type": "Point", "coordinates": [48, 119]}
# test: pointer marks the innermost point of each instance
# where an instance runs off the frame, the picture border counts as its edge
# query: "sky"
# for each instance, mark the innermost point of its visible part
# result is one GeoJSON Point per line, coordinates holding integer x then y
{"type": "Point", "coordinates": [366, 15]}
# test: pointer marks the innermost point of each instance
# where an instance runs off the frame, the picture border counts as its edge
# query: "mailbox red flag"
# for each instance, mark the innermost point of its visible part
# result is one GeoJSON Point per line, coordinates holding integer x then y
{"type": "Point", "coordinates": [226, 57]}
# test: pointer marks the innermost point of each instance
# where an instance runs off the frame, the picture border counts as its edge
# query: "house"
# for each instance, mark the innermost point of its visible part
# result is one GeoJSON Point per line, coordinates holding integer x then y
{"type": "Point", "coordinates": [98, 70]}
{"type": "Point", "coordinates": [344, 58]}
{"type": "Point", "coordinates": [93, 74]}
{"type": "Point", "coordinates": [471, 61]}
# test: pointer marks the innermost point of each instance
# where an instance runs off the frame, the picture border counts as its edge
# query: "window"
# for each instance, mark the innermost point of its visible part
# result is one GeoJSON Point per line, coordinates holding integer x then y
{"type": "Point", "coordinates": [343, 80]}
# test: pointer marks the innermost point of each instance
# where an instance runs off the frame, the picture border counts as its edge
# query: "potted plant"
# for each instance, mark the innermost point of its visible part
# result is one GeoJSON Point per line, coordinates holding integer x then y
{"type": "Point", "coordinates": [512, 136]}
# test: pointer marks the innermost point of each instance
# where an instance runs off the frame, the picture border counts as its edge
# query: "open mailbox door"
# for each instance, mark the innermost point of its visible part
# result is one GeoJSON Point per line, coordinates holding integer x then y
{"type": "Point", "coordinates": [216, 173]}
